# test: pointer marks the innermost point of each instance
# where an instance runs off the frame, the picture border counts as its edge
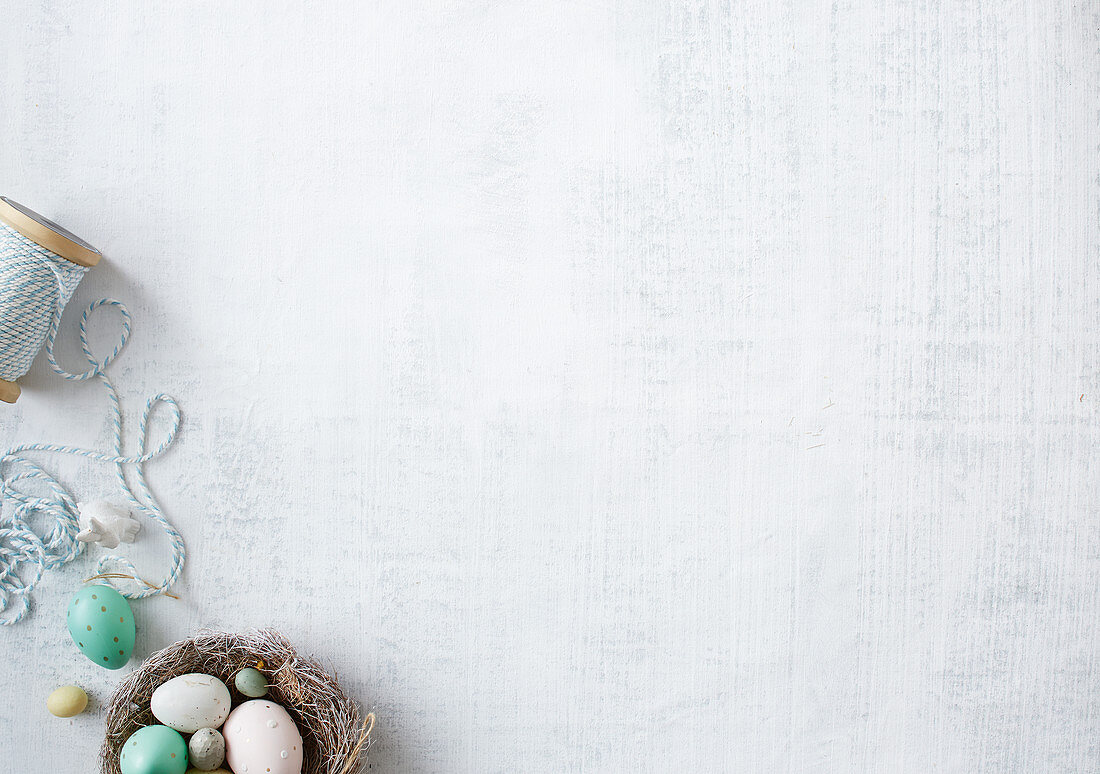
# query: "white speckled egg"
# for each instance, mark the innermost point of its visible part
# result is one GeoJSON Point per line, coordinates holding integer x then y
{"type": "Point", "coordinates": [190, 702]}
{"type": "Point", "coordinates": [261, 738]}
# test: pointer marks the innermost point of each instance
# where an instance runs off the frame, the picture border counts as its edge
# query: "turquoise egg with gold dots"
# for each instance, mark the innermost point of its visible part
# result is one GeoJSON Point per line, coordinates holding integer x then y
{"type": "Point", "coordinates": [102, 625]}
{"type": "Point", "coordinates": [154, 750]}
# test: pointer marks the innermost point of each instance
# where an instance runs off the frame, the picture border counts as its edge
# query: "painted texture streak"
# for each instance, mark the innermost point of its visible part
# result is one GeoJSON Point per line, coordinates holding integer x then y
{"type": "Point", "coordinates": [599, 386]}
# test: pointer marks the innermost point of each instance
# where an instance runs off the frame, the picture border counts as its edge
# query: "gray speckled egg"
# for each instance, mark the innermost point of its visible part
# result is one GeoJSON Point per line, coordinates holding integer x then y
{"type": "Point", "coordinates": [206, 750]}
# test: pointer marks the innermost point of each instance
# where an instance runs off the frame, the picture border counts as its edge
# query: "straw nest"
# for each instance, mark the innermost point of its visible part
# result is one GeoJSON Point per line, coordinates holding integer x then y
{"type": "Point", "coordinates": [334, 735]}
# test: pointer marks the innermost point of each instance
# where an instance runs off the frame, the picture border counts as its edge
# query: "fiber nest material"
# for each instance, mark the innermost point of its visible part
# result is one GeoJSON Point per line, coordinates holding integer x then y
{"type": "Point", "coordinates": [334, 735]}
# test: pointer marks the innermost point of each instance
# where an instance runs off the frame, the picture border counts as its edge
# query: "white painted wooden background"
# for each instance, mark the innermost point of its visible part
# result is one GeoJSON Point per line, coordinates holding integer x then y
{"type": "Point", "coordinates": [597, 386]}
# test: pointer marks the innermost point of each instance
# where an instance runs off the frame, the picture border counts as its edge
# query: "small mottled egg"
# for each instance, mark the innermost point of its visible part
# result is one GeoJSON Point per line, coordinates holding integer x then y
{"type": "Point", "coordinates": [261, 738]}
{"type": "Point", "coordinates": [190, 702]}
{"type": "Point", "coordinates": [206, 749]}
{"type": "Point", "coordinates": [67, 701]}
{"type": "Point", "coordinates": [154, 750]}
{"type": "Point", "coordinates": [251, 682]}
{"type": "Point", "coordinates": [102, 625]}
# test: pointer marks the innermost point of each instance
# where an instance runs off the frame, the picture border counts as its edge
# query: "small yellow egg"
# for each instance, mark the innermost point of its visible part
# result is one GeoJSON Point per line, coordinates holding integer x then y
{"type": "Point", "coordinates": [67, 701]}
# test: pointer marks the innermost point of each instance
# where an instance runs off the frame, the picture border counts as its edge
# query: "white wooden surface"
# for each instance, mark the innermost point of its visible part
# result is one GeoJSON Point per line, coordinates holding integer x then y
{"type": "Point", "coordinates": [598, 386]}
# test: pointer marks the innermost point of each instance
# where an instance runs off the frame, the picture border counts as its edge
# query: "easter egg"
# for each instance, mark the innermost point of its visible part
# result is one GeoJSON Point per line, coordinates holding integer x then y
{"type": "Point", "coordinates": [67, 701]}
{"type": "Point", "coordinates": [206, 749]}
{"type": "Point", "coordinates": [154, 750]}
{"type": "Point", "coordinates": [251, 682]}
{"type": "Point", "coordinates": [102, 625]}
{"type": "Point", "coordinates": [260, 737]}
{"type": "Point", "coordinates": [190, 702]}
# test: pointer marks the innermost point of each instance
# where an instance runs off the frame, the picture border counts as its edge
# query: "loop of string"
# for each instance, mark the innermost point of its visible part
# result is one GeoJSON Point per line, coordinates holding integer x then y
{"type": "Point", "coordinates": [39, 529]}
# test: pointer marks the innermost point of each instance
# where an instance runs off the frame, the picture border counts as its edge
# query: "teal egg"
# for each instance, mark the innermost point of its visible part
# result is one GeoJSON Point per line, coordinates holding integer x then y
{"type": "Point", "coordinates": [251, 682]}
{"type": "Point", "coordinates": [154, 750]}
{"type": "Point", "coordinates": [102, 625]}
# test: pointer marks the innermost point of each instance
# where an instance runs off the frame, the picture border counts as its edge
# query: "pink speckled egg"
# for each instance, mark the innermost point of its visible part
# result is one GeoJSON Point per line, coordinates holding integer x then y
{"type": "Point", "coordinates": [261, 738]}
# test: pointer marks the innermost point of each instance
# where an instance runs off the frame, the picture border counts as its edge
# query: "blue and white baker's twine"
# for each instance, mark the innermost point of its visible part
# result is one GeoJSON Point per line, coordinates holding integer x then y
{"type": "Point", "coordinates": [40, 520]}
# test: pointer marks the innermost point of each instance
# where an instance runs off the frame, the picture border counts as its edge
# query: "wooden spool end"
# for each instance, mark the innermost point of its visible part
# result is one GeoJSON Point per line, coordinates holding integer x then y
{"type": "Point", "coordinates": [56, 239]}
{"type": "Point", "coordinates": [9, 391]}
{"type": "Point", "coordinates": [45, 232]}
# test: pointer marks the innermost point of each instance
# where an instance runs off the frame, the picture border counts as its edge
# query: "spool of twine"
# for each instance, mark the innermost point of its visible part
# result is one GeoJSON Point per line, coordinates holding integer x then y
{"type": "Point", "coordinates": [41, 265]}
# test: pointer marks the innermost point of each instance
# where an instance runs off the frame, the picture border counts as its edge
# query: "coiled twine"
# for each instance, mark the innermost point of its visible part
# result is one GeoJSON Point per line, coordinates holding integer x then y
{"type": "Point", "coordinates": [41, 265]}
